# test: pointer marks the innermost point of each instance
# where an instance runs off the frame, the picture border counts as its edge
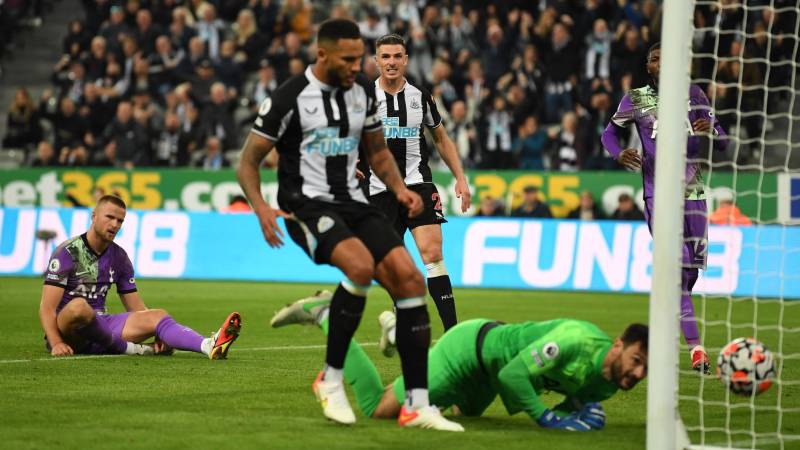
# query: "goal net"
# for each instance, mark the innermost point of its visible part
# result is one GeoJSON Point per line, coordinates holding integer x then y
{"type": "Point", "coordinates": [744, 56]}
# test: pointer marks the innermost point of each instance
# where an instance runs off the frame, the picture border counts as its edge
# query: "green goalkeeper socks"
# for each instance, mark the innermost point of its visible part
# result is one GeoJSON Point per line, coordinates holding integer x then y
{"type": "Point", "coordinates": [360, 373]}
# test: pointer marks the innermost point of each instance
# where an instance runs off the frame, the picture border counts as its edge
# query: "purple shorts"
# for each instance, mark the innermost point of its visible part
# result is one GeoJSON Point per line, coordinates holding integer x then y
{"type": "Point", "coordinates": [695, 231]}
{"type": "Point", "coordinates": [115, 322]}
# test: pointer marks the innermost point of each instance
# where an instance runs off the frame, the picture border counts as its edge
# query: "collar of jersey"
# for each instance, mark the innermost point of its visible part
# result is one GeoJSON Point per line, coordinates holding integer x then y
{"type": "Point", "coordinates": [378, 85]}
{"type": "Point", "coordinates": [89, 247]}
{"type": "Point", "coordinates": [316, 81]}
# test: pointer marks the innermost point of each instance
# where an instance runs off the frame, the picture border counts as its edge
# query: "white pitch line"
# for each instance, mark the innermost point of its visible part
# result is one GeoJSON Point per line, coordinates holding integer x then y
{"type": "Point", "coordinates": [254, 349]}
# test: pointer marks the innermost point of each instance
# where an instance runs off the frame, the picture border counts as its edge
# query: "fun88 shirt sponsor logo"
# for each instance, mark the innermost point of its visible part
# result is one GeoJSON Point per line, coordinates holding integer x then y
{"type": "Point", "coordinates": [393, 130]}
{"type": "Point", "coordinates": [327, 142]}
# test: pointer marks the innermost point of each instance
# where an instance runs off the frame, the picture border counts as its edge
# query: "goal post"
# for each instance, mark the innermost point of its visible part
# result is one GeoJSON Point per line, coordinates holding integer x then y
{"type": "Point", "coordinates": [662, 393]}
{"type": "Point", "coordinates": [745, 56]}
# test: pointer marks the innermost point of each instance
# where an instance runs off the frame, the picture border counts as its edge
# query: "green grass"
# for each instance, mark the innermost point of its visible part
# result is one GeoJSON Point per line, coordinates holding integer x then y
{"type": "Point", "coordinates": [261, 398]}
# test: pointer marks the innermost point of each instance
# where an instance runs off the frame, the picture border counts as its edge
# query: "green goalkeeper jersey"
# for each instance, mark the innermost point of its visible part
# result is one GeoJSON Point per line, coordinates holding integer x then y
{"type": "Point", "coordinates": [566, 356]}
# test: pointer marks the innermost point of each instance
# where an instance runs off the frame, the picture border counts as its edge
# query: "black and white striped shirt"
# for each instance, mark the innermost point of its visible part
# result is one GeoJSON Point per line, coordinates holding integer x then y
{"type": "Point", "coordinates": [317, 129]}
{"type": "Point", "coordinates": [403, 116]}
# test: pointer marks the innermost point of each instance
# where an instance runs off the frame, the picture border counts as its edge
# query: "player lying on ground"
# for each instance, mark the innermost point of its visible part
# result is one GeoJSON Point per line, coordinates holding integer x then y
{"type": "Point", "coordinates": [73, 307]}
{"type": "Point", "coordinates": [639, 107]}
{"type": "Point", "coordinates": [479, 359]}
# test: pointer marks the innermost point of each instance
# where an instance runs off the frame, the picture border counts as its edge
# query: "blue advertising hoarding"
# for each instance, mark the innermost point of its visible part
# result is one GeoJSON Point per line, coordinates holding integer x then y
{"type": "Point", "coordinates": [762, 261]}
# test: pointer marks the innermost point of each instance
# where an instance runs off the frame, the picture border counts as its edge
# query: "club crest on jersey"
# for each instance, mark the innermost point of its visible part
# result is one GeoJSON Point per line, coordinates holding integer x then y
{"type": "Point", "coordinates": [327, 142]}
{"type": "Point", "coordinates": [324, 224]}
{"type": "Point", "coordinates": [550, 350]}
{"type": "Point", "coordinates": [414, 104]}
{"type": "Point", "coordinates": [393, 130]}
{"type": "Point", "coordinates": [358, 108]}
{"type": "Point", "coordinates": [54, 265]}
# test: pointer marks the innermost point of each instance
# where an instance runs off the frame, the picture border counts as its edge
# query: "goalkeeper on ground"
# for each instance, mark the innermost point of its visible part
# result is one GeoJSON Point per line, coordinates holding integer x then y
{"type": "Point", "coordinates": [479, 359]}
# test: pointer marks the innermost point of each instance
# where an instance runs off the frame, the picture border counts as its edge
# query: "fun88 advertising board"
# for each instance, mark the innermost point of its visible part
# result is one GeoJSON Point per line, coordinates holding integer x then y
{"type": "Point", "coordinates": [603, 256]}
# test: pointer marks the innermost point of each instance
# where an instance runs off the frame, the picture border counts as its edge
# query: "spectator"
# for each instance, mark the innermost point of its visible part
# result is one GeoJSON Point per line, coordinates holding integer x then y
{"type": "Point", "coordinates": [249, 42]}
{"type": "Point", "coordinates": [373, 27]}
{"type": "Point", "coordinates": [109, 156]}
{"type": "Point", "coordinates": [180, 33]}
{"type": "Point", "coordinates": [217, 118]}
{"type": "Point", "coordinates": [727, 213]}
{"type": "Point", "coordinates": [45, 156]}
{"type": "Point", "coordinates": [461, 129]}
{"type": "Point", "coordinates": [530, 144]}
{"type": "Point", "coordinates": [146, 32]}
{"type": "Point", "coordinates": [97, 59]}
{"type": "Point", "coordinates": [115, 27]}
{"type": "Point", "coordinates": [228, 69]}
{"type": "Point", "coordinates": [75, 155]}
{"type": "Point", "coordinates": [264, 87]}
{"type": "Point", "coordinates": [164, 63]}
{"type": "Point", "coordinates": [22, 123]}
{"type": "Point", "coordinates": [531, 205]}
{"type": "Point", "coordinates": [213, 159]}
{"type": "Point", "coordinates": [588, 209]}
{"type": "Point", "coordinates": [598, 54]}
{"type": "Point", "coordinates": [69, 127]}
{"type": "Point", "coordinates": [77, 39]}
{"type": "Point", "coordinates": [627, 209]}
{"type": "Point", "coordinates": [70, 76]}
{"type": "Point", "coordinates": [266, 12]}
{"type": "Point", "coordinates": [628, 55]}
{"type": "Point", "coordinates": [210, 29]}
{"type": "Point", "coordinates": [490, 207]}
{"type": "Point", "coordinates": [565, 158]}
{"type": "Point", "coordinates": [171, 148]}
{"type": "Point", "coordinates": [497, 132]}
{"type": "Point", "coordinates": [202, 82]}
{"type": "Point", "coordinates": [128, 137]}
{"type": "Point", "coordinates": [295, 17]}
{"type": "Point", "coordinates": [562, 67]}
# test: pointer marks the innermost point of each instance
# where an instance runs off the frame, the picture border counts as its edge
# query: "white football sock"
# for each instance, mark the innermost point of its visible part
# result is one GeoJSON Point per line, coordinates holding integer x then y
{"type": "Point", "coordinates": [207, 345]}
{"type": "Point", "coordinates": [417, 399]}
{"type": "Point", "coordinates": [333, 375]}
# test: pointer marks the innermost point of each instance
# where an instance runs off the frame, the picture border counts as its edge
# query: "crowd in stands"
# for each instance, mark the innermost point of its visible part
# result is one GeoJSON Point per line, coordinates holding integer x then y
{"type": "Point", "coordinates": [521, 84]}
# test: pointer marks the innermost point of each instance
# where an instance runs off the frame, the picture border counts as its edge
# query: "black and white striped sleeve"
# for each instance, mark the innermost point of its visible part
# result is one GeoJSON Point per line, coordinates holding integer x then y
{"type": "Point", "coordinates": [372, 122]}
{"type": "Point", "coordinates": [274, 115]}
{"type": "Point", "coordinates": [432, 119]}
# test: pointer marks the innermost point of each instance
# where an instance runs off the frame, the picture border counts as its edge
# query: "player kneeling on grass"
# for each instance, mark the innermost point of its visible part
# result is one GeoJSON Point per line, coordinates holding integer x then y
{"type": "Point", "coordinates": [479, 359]}
{"type": "Point", "coordinates": [73, 306]}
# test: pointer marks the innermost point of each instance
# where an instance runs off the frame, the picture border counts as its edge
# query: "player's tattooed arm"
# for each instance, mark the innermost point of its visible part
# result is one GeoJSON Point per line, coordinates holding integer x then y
{"type": "Point", "coordinates": [384, 166]}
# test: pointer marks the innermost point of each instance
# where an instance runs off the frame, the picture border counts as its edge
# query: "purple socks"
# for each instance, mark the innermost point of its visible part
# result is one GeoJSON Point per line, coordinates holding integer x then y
{"type": "Point", "coordinates": [688, 319]}
{"type": "Point", "coordinates": [178, 336]}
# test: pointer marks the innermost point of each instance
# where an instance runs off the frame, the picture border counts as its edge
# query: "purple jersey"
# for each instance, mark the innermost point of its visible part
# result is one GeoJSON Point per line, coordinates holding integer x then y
{"type": "Point", "coordinates": [83, 273]}
{"type": "Point", "coordinates": [640, 107]}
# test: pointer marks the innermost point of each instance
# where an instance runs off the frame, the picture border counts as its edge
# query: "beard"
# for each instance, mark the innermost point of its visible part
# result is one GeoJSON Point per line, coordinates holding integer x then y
{"type": "Point", "coordinates": [334, 79]}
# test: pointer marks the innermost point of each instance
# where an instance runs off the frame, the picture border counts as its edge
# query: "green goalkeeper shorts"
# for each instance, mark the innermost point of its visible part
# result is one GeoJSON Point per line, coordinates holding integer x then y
{"type": "Point", "coordinates": [454, 375]}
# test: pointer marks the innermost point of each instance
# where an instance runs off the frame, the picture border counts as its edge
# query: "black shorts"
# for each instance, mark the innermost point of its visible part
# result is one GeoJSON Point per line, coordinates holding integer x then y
{"type": "Point", "coordinates": [398, 214]}
{"type": "Point", "coordinates": [317, 227]}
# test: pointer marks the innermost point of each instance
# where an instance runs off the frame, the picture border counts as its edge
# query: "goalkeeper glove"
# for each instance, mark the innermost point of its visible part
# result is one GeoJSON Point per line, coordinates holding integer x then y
{"type": "Point", "coordinates": [593, 415]}
{"type": "Point", "coordinates": [571, 422]}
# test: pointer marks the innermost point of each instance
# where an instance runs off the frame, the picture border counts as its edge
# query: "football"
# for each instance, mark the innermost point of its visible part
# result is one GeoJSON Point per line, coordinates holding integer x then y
{"type": "Point", "coordinates": [746, 367]}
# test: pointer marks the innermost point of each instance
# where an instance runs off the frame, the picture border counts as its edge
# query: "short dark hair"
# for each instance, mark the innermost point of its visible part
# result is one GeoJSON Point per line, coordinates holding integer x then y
{"type": "Point", "coordinates": [113, 199]}
{"type": "Point", "coordinates": [654, 47]}
{"type": "Point", "coordinates": [390, 39]}
{"type": "Point", "coordinates": [530, 189]}
{"type": "Point", "coordinates": [334, 29]}
{"type": "Point", "coordinates": [636, 332]}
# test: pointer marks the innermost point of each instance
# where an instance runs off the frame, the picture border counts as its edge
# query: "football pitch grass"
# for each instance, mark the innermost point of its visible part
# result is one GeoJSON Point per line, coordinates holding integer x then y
{"type": "Point", "coordinates": [260, 397]}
